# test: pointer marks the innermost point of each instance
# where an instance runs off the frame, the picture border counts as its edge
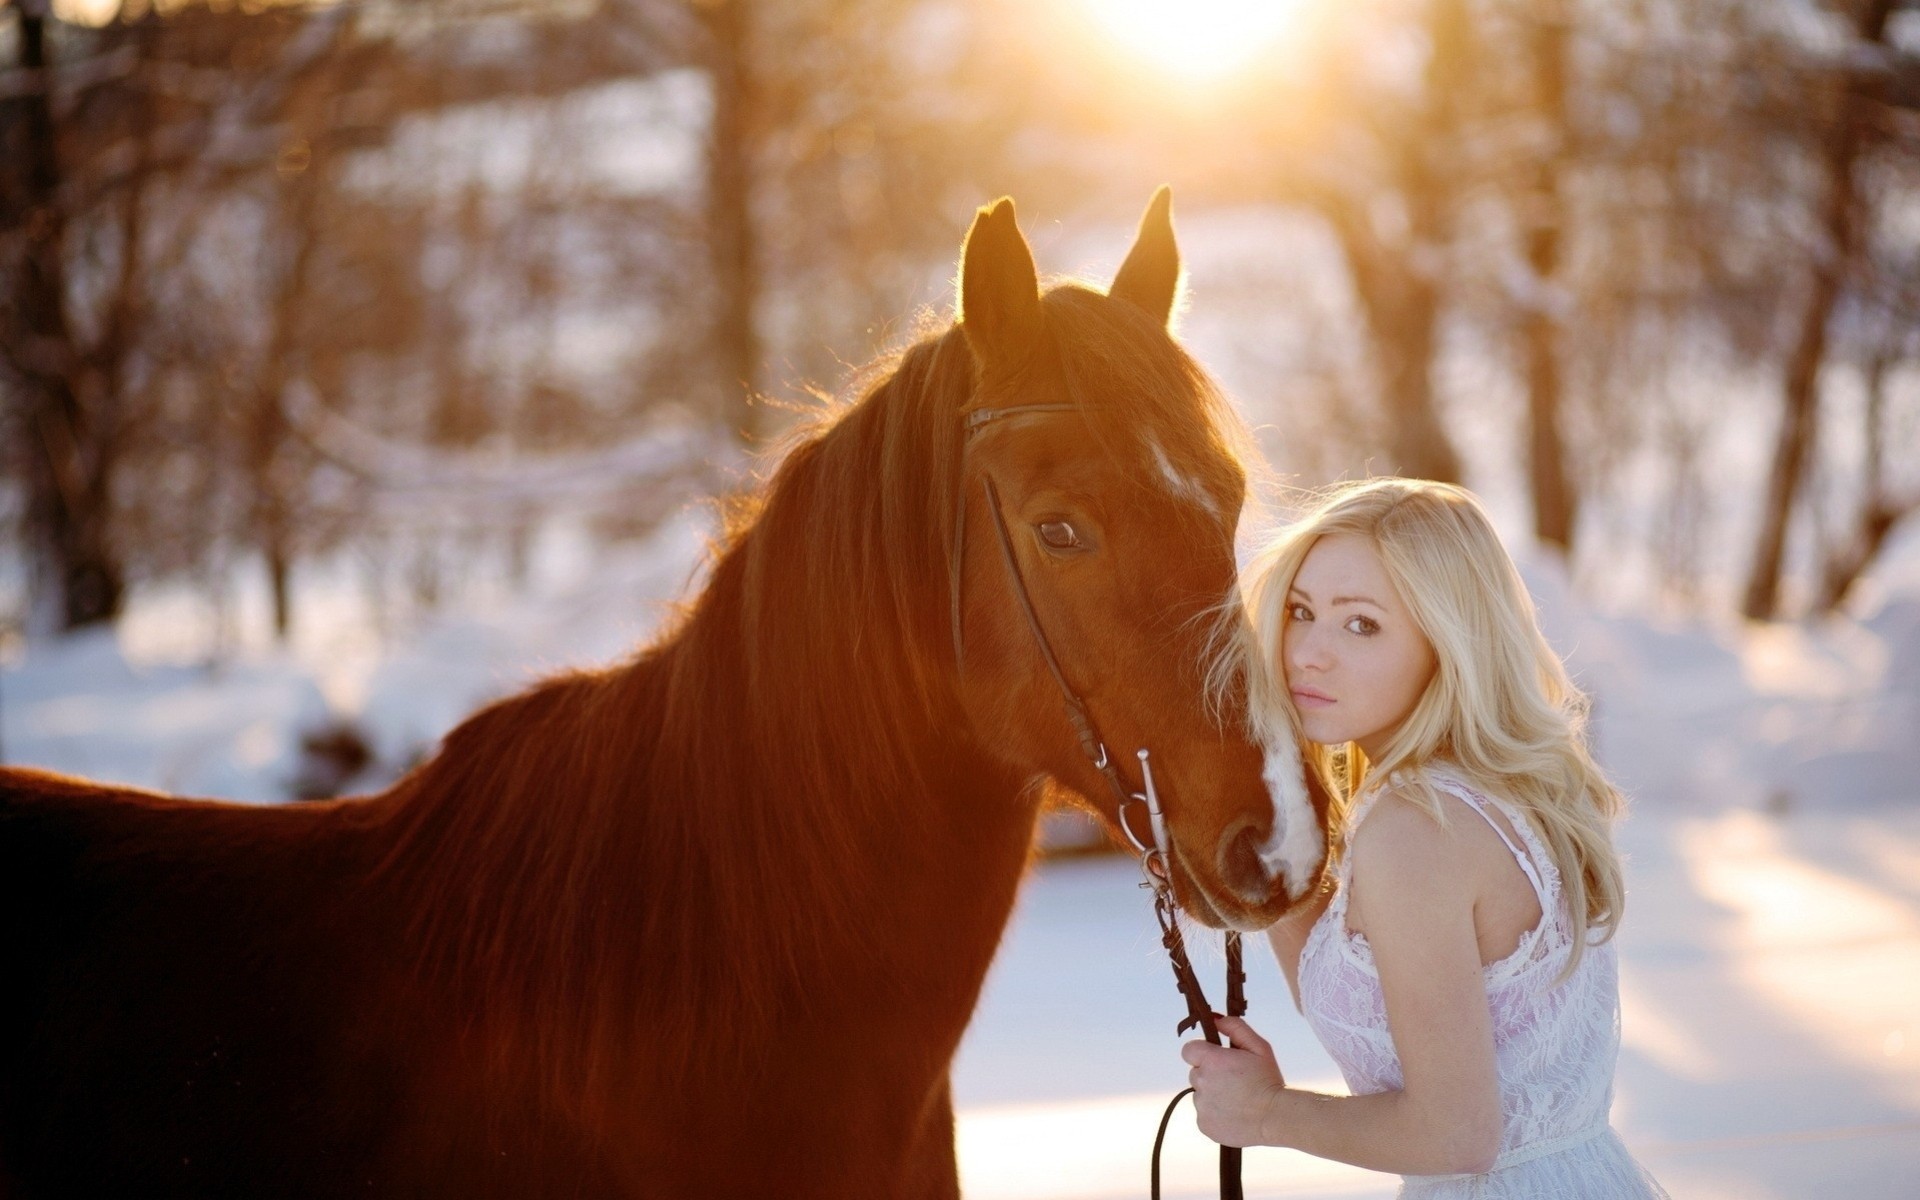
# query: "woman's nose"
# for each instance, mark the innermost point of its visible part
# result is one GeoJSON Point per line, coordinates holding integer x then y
{"type": "Point", "coordinates": [1307, 652]}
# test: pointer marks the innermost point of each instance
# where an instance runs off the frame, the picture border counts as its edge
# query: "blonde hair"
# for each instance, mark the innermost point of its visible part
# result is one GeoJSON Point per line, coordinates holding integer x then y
{"type": "Point", "coordinates": [1500, 707]}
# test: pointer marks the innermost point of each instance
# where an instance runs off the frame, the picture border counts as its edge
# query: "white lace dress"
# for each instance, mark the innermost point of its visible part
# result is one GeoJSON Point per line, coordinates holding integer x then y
{"type": "Point", "coordinates": [1554, 1045]}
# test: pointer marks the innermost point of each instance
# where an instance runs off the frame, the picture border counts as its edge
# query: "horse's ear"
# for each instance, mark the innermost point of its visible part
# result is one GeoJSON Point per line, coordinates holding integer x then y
{"type": "Point", "coordinates": [1151, 274]}
{"type": "Point", "coordinates": [999, 289]}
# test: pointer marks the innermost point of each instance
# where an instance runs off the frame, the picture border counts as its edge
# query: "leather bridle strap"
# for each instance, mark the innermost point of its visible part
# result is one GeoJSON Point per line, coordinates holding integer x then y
{"type": "Point", "coordinates": [1077, 714]}
{"type": "Point", "coordinates": [1090, 743]}
{"type": "Point", "coordinates": [975, 421]}
{"type": "Point", "coordinates": [1200, 1014]}
{"type": "Point", "coordinates": [1198, 1011]}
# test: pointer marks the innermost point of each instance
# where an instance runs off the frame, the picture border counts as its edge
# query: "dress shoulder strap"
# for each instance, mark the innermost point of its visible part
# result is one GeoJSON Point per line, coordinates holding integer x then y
{"type": "Point", "coordinates": [1479, 803]}
{"type": "Point", "coordinates": [1467, 794]}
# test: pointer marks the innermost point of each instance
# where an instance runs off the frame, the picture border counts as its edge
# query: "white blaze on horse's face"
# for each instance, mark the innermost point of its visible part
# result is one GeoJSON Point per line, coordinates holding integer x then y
{"type": "Point", "coordinates": [1296, 848]}
{"type": "Point", "coordinates": [1182, 485]}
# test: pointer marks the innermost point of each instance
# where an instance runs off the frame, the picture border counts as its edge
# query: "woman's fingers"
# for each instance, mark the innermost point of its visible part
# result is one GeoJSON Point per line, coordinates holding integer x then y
{"type": "Point", "coordinates": [1194, 1054]}
{"type": "Point", "coordinates": [1232, 1087]}
{"type": "Point", "coordinates": [1243, 1035]}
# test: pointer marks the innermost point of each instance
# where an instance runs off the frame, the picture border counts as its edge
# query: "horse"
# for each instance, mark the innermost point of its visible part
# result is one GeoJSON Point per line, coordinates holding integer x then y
{"type": "Point", "coordinates": [710, 922]}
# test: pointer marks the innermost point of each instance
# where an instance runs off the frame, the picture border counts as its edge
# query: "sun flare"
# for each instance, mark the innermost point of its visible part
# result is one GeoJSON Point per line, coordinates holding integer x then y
{"type": "Point", "coordinates": [1198, 39]}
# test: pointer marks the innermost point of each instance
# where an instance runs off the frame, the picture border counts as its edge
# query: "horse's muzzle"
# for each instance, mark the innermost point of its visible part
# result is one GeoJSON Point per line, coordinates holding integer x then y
{"type": "Point", "coordinates": [1238, 865]}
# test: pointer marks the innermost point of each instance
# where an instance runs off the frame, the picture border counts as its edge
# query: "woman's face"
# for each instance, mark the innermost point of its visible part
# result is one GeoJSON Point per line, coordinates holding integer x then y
{"type": "Point", "coordinates": [1354, 660]}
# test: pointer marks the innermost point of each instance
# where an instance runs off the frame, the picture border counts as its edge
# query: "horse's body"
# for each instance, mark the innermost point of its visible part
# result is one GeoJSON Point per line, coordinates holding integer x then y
{"type": "Point", "coordinates": [218, 1001]}
{"type": "Point", "coordinates": [710, 923]}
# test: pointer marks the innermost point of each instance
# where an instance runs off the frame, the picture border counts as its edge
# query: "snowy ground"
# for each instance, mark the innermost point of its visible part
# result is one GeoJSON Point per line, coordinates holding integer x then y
{"type": "Point", "coordinates": [1771, 994]}
{"type": "Point", "coordinates": [1771, 954]}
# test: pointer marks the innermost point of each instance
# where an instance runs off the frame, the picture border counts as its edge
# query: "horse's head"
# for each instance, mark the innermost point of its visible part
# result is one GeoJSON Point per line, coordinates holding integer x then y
{"type": "Point", "coordinates": [1099, 478]}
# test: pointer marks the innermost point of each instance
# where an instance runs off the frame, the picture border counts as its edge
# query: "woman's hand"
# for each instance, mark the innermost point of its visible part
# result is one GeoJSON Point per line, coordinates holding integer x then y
{"type": "Point", "coordinates": [1233, 1086]}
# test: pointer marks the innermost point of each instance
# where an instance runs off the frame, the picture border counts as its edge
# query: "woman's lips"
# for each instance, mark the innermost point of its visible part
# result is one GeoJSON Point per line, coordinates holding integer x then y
{"type": "Point", "coordinates": [1308, 698]}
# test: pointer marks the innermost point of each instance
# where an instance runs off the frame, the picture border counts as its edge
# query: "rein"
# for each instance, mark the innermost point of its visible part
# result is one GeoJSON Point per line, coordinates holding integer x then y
{"type": "Point", "coordinates": [1154, 864]}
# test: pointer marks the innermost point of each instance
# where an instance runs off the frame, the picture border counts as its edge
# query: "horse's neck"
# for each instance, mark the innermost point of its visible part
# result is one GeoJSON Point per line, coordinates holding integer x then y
{"type": "Point", "coordinates": [953, 899]}
{"type": "Point", "coordinates": [890, 819]}
{"type": "Point", "coordinates": [906, 863]}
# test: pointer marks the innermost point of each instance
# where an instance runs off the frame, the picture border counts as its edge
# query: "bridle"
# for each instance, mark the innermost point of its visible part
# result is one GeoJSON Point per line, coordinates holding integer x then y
{"type": "Point", "coordinates": [1154, 863]}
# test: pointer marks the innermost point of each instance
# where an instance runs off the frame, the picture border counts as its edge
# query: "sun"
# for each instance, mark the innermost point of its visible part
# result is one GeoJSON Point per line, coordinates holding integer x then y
{"type": "Point", "coordinates": [1197, 39]}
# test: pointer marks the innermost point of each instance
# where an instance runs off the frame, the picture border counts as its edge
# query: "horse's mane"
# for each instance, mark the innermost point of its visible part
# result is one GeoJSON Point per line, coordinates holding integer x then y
{"type": "Point", "coordinates": [650, 857]}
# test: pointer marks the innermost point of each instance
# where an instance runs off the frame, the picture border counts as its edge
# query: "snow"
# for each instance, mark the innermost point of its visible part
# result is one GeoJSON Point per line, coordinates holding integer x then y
{"type": "Point", "coordinates": [1770, 955]}
{"type": "Point", "coordinates": [78, 706]}
{"type": "Point", "coordinates": [1771, 1015]}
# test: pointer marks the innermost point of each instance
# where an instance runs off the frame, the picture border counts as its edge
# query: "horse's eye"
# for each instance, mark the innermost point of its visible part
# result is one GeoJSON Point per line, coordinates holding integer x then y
{"type": "Point", "coordinates": [1059, 535]}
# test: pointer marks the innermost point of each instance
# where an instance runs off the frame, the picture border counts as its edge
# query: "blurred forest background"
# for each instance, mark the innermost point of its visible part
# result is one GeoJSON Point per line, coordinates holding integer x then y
{"type": "Point", "coordinates": [395, 282]}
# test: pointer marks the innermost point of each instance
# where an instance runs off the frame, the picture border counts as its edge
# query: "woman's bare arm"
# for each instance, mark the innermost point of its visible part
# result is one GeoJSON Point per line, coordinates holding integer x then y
{"type": "Point", "coordinates": [1415, 891]}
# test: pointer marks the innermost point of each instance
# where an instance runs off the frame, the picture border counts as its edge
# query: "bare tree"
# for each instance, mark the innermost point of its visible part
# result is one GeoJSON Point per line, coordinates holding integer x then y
{"type": "Point", "coordinates": [1394, 228]}
{"type": "Point", "coordinates": [1882, 503]}
{"type": "Point", "coordinates": [63, 413]}
{"type": "Point", "coordinates": [734, 66]}
{"type": "Point", "coordinates": [1543, 213]}
{"type": "Point", "coordinates": [1850, 108]}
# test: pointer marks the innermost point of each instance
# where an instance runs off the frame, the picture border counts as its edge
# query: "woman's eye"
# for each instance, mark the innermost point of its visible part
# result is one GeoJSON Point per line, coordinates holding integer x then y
{"type": "Point", "coordinates": [1299, 612]}
{"type": "Point", "coordinates": [1364, 626]}
{"type": "Point", "coordinates": [1059, 535]}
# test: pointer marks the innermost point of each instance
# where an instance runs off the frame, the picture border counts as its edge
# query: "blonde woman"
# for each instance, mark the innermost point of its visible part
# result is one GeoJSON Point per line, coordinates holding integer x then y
{"type": "Point", "coordinates": [1457, 966]}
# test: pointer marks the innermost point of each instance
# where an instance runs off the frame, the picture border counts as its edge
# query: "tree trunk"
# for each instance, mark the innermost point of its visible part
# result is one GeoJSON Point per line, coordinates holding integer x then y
{"type": "Point", "coordinates": [279, 577]}
{"type": "Point", "coordinates": [1556, 501]}
{"type": "Point", "coordinates": [1841, 223]}
{"type": "Point", "coordinates": [1398, 284]}
{"type": "Point", "coordinates": [274, 476]}
{"type": "Point", "coordinates": [1879, 512]}
{"type": "Point", "coordinates": [1793, 446]}
{"type": "Point", "coordinates": [1845, 567]}
{"type": "Point", "coordinates": [730, 230]}
{"type": "Point", "coordinates": [1417, 441]}
{"type": "Point", "coordinates": [1402, 306]}
{"type": "Point", "coordinates": [69, 455]}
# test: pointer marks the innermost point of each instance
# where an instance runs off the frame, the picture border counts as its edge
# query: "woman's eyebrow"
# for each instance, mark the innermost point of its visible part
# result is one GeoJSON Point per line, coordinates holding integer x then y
{"type": "Point", "coordinates": [1339, 600]}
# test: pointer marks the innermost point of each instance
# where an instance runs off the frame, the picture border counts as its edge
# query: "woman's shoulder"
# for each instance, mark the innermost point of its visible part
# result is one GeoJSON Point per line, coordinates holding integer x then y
{"type": "Point", "coordinates": [1409, 795]}
{"type": "Point", "coordinates": [1419, 823]}
{"type": "Point", "coordinates": [1445, 775]}
{"type": "Point", "coordinates": [1423, 861]}
{"type": "Point", "coordinates": [1497, 803]}
{"type": "Point", "coordinates": [1429, 784]}
{"type": "Point", "coordinates": [1403, 875]}
{"type": "Point", "coordinates": [1400, 835]}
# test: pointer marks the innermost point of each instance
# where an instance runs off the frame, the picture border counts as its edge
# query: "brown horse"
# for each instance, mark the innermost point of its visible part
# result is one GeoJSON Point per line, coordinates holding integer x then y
{"type": "Point", "coordinates": [710, 923]}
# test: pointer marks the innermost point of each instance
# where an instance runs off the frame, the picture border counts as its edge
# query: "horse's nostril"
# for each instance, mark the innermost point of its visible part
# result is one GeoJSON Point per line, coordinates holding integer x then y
{"type": "Point", "coordinates": [1239, 861]}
